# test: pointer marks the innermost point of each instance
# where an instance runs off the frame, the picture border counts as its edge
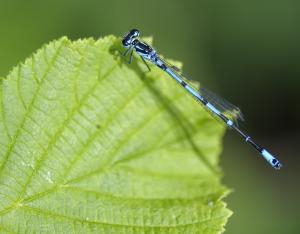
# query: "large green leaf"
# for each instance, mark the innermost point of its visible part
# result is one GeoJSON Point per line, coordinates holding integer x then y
{"type": "Point", "coordinates": [89, 143]}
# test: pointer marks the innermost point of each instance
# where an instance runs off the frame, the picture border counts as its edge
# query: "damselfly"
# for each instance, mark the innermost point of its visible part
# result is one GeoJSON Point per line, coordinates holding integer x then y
{"type": "Point", "coordinates": [220, 108]}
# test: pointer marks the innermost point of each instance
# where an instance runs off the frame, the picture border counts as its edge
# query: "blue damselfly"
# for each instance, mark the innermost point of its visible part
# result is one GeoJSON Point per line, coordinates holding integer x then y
{"type": "Point", "coordinates": [220, 108]}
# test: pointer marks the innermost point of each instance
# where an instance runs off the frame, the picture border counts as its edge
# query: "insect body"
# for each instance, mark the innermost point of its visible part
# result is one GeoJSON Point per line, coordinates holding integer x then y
{"type": "Point", "coordinates": [220, 108]}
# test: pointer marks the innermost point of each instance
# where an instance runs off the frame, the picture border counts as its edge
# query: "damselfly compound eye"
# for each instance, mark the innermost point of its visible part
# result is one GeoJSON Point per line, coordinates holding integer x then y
{"type": "Point", "coordinates": [129, 37]}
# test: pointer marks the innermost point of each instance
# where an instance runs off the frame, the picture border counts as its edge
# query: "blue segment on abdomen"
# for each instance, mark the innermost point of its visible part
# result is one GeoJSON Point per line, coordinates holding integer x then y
{"type": "Point", "coordinates": [213, 109]}
{"type": "Point", "coordinates": [271, 159]}
{"type": "Point", "coordinates": [171, 73]}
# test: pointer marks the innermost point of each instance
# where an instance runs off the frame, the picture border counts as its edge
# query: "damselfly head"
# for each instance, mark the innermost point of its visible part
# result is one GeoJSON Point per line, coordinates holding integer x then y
{"type": "Point", "coordinates": [129, 37]}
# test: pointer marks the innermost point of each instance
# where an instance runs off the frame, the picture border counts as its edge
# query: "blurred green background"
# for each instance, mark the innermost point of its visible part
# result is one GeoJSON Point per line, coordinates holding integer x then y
{"type": "Point", "coordinates": [248, 51]}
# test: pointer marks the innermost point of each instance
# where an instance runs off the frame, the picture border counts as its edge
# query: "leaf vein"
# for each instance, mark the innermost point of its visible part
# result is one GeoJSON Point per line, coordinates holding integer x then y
{"type": "Point", "coordinates": [18, 131]}
{"type": "Point", "coordinates": [75, 219]}
{"type": "Point", "coordinates": [19, 89]}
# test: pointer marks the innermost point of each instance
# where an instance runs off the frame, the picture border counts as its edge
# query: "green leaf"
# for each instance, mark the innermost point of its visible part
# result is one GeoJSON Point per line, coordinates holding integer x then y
{"type": "Point", "coordinates": [91, 144]}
